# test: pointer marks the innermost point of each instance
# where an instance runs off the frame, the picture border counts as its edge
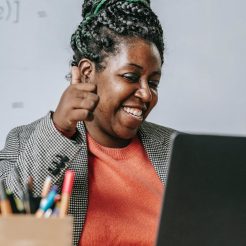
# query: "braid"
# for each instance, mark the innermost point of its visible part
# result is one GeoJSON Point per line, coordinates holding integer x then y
{"type": "Point", "coordinates": [107, 22]}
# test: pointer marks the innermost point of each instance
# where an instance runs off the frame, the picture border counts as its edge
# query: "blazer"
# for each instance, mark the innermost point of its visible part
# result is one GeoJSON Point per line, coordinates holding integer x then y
{"type": "Point", "coordinates": [39, 150]}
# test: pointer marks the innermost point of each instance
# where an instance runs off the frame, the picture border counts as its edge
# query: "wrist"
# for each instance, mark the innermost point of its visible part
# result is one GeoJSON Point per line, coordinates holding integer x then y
{"type": "Point", "coordinates": [66, 133]}
{"type": "Point", "coordinates": [69, 133]}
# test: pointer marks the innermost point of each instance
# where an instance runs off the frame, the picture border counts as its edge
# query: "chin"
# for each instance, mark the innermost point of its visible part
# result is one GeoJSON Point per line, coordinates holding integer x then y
{"type": "Point", "coordinates": [127, 134]}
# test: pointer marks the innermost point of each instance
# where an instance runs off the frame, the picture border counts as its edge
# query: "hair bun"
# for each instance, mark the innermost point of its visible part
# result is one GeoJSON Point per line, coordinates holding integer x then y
{"type": "Point", "coordinates": [89, 6]}
{"type": "Point", "coordinates": [106, 23]}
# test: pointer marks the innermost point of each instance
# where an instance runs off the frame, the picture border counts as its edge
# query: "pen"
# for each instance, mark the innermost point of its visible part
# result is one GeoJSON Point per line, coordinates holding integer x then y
{"type": "Point", "coordinates": [19, 205]}
{"type": "Point", "coordinates": [47, 202]}
{"type": "Point", "coordinates": [4, 201]}
{"type": "Point", "coordinates": [46, 187]}
{"type": "Point", "coordinates": [21, 202]}
{"type": "Point", "coordinates": [14, 203]}
{"type": "Point", "coordinates": [48, 213]}
{"type": "Point", "coordinates": [33, 202]}
{"type": "Point", "coordinates": [26, 199]}
{"type": "Point", "coordinates": [66, 192]}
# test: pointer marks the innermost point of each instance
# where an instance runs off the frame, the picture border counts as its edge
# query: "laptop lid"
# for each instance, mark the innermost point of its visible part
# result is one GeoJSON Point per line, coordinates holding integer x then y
{"type": "Point", "coordinates": [205, 198]}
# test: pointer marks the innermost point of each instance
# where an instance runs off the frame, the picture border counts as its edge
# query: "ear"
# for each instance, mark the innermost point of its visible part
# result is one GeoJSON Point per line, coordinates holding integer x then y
{"type": "Point", "coordinates": [87, 69]}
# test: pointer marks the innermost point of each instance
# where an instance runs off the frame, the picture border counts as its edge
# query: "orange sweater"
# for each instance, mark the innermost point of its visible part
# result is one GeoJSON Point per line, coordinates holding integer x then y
{"type": "Point", "coordinates": [125, 196]}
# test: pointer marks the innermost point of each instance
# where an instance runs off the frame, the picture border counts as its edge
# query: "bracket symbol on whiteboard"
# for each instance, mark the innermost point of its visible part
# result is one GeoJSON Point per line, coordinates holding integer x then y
{"type": "Point", "coordinates": [10, 10]}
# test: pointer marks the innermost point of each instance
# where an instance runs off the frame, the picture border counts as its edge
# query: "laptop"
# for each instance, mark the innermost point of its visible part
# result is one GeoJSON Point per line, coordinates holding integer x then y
{"type": "Point", "coordinates": [205, 198]}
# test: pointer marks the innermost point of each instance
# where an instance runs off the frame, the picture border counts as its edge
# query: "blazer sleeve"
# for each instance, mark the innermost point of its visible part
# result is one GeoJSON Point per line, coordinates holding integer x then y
{"type": "Point", "coordinates": [36, 150]}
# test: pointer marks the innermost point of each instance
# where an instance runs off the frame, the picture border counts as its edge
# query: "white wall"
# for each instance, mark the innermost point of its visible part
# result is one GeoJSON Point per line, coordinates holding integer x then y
{"type": "Point", "coordinates": [202, 88]}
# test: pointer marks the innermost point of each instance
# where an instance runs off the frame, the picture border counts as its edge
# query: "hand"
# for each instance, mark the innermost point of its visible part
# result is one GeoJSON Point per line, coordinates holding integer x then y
{"type": "Point", "coordinates": [76, 104]}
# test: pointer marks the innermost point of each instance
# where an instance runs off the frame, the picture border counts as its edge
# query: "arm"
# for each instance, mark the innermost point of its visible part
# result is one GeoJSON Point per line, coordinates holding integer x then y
{"type": "Point", "coordinates": [33, 149]}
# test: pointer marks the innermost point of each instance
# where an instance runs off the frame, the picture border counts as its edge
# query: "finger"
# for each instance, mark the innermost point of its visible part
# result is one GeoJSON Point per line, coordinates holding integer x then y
{"type": "Point", "coordinates": [89, 87]}
{"type": "Point", "coordinates": [89, 104]}
{"type": "Point", "coordinates": [71, 94]}
{"type": "Point", "coordinates": [85, 95]}
{"type": "Point", "coordinates": [81, 115]}
{"type": "Point", "coordinates": [76, 78]}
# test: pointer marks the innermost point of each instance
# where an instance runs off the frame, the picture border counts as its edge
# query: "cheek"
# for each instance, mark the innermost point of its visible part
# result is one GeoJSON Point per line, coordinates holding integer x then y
{"type": "Point", "coordinates": [113, 93]}
{"type": "Point", "coordinates": [153, 102]}
{"type": "Point", "coordinates": [154, 99]}
{"type": "Point", "coordinates": [120, 89]}
{"type": "Point", "coordinates": [110, 97]}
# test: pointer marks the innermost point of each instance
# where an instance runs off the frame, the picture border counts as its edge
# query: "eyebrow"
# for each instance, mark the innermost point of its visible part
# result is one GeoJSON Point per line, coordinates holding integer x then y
{"type": "Point", "coordinates": [158, 72]}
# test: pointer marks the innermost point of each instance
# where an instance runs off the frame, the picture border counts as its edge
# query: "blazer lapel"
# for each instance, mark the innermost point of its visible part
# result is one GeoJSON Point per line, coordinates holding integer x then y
{"type": "Point", "coordinates": [158, 147]}
{"type": "Point", "coordinates": [79, 199]}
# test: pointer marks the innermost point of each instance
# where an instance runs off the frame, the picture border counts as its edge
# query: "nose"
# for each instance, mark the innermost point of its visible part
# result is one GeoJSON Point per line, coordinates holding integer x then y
{"type": "Point", "coordinates": [144, 93]}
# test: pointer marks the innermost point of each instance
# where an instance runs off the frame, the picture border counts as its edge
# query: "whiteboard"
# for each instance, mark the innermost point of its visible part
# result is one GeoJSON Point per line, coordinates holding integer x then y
{"type": "Point", "coordinates": [203, 84]}
{"type": "Point", "coordinates": [35, 54]}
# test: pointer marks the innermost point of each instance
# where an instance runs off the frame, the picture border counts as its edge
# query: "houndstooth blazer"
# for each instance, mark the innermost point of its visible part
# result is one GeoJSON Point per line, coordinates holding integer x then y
{"type": "Point", "coordinates": [36, 150]}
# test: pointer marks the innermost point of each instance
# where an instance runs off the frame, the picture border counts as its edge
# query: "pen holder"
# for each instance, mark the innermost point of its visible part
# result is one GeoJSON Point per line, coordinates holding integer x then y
{"type": "Point", "coordinates": [23, 230]}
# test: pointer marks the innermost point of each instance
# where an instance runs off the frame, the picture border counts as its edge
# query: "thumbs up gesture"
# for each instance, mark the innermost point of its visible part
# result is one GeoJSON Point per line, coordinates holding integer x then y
{"type": "Point", "coordinates": [77, 103]}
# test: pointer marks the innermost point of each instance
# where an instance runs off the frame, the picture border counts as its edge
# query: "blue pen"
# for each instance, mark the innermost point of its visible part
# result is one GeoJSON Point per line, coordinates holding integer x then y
{"type": "Point", "coordinates": [47, 202]}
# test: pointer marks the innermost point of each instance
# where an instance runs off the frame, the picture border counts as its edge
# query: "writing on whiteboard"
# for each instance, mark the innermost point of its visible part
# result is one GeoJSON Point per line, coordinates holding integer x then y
{"type": "Point", "coordinates": [10, 10]}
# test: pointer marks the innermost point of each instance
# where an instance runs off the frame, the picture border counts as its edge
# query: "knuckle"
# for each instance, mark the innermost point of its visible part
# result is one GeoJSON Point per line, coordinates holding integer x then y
{"type": "Point", "coordinates": [86, 114]}
{"type": "Point", "coordinates": [92, 104]}
{"type": "Point", "coordinates": [87, 104]}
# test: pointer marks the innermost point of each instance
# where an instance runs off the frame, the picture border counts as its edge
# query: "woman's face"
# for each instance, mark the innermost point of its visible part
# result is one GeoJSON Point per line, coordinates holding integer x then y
{"type": "Point", "coordinates": [127, 89]}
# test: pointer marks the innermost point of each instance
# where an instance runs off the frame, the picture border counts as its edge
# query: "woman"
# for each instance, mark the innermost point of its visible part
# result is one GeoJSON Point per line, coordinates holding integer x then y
{"type": "Point", "coordinates": [99, 128]}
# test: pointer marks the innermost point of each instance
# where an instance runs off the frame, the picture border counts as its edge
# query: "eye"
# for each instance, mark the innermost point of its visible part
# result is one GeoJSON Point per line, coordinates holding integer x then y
{"type": "Point", "coordinates": [134, 78]}
{"type": "Point", "coordinates": [154, 84]}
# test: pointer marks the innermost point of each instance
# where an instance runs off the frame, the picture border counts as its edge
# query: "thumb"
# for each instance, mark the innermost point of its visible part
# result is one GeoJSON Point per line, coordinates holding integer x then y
{"type": "Point", "coordinates": [76, 77]}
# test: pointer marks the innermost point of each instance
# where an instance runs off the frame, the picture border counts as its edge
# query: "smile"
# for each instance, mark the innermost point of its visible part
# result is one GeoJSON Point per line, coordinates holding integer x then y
{"type": "Point", "coordinates": [135, 112]}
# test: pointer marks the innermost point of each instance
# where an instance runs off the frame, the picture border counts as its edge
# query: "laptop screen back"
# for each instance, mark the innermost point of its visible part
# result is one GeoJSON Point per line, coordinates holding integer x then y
{"type": "Point", "coordinates": [205, 198]}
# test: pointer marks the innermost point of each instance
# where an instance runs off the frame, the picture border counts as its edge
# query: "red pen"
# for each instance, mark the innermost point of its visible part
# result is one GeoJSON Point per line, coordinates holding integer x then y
{"type": "Point", "coordinates": [66, 192]}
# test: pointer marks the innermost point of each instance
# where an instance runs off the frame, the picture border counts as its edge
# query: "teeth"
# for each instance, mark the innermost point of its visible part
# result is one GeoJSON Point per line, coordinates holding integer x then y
{"type": "Point", "coordinates": [134, 111]}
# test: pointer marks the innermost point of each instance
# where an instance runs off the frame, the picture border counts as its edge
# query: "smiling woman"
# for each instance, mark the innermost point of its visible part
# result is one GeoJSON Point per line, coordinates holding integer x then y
{"type": "Point", "coordinates": [126, 91]}
{"type": "Point", "coordinates": [100, 127]}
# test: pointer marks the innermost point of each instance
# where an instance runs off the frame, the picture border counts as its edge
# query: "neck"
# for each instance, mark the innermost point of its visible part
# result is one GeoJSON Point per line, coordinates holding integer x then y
{"type": "Point", "coordinates": [107, 140]}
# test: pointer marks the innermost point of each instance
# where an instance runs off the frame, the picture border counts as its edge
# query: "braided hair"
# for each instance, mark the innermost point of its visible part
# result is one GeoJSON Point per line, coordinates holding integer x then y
{"type": "Point", "coordinates": [108, 22]}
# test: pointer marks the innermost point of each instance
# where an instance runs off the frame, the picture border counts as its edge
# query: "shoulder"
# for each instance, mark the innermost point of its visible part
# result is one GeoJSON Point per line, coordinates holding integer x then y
{"type": "Point", "coordinates": [156, 132]}
{"type": "Point", "coordinates": [17, 137]}
{"type": "Point", "coordinates": [24, 131]}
